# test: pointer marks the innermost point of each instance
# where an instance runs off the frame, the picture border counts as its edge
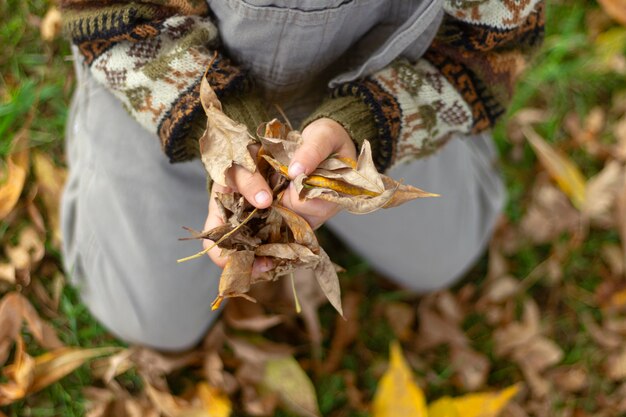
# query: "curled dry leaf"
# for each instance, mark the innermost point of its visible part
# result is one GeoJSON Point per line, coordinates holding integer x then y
{"type": "Point", "coordinates": [225, 142]}
{"type": "Point", "coordinates": [276, 232]}
{"type": "Point", "coordinates": [27, 374]}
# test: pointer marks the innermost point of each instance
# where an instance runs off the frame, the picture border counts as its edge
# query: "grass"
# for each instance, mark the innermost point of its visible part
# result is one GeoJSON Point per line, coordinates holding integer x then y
{"type": "Point", "coordinates": [35, 89]}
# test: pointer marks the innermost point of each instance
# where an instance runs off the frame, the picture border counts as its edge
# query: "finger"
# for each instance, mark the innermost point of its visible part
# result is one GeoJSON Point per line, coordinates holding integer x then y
{"type": "Point", "coordinates": [252, 186]}
{"type": "Point", "coordinates": [317, 145]}
{"type": "Point", "coordinates": [213, 220]}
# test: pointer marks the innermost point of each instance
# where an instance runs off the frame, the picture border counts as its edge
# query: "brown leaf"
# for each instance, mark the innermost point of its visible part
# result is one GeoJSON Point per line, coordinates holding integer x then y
{"type": "Point", "coordinates": [615, 367]}
{"type": "Point", "coordinates": [328, 280]}
{"type": "Point", "coordinates": [616, 9]}
{"type": "Point", "coordinates": [570, 378]}
{"type": "Point", "coordinates": [401, 318]}
{"type": "Point", "coordinates": [302, 231]}
{"type": "Point", "coordinates": [279, 143]}
{"type": "Point", "coordinates": [290, 251]}
{"type": "Point", "coordinates": [602, 191]}
{"type": "Point", "coordinates": [14, 309]}
{"type": "Point", "coordinates": [29, 250]}
{"type": "Point", "coordinates": [27, 375]}
{"type": "Point", "coordinates": [247, 316]}
{"type": "Point", "coordinates": [235, 279]}
{"type": "Point", "coordinates": [471, 368]}
{"type": "Point", "coordinates": [223, 144]}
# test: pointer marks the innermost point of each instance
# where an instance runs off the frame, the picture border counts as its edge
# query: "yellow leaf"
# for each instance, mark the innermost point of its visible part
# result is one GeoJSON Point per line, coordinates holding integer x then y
{"type": "Point", "coordinates": [397, 394]}
{"type": "Point", "coordinates": [50, 180]}
{"type": "Point", "coordinates": [14, 175]}
{"type": "Point", "coordinates": [487, 404]}
{"type": "Point", "coordinates": [216, 403]}
{"type": "Point", "coordinates": [443, 407]}
{"type": "Point", "coordinates": [566, 174]}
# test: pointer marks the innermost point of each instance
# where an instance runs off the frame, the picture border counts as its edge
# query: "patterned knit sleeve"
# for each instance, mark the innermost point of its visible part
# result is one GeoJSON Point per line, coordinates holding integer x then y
{"type": "Point", "coordinates": [461, 85]}
{"type": "Point", "coordinates": [152, 54]}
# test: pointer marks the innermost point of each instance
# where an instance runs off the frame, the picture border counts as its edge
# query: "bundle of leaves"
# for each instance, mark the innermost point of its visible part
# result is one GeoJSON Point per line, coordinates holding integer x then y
{"type": "Point", "coordinates": [277, 232]}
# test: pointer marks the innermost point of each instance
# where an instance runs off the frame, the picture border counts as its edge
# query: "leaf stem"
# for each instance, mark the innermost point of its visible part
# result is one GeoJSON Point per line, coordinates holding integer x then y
{"type": "Point", "coordinates": [226, 236]}
{"type": "Point", "coordinates": [295, 294]}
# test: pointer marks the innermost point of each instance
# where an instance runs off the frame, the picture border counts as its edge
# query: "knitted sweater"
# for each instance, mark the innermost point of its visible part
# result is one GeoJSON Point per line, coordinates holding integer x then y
{"type": "Point", "coordinates": [152, 54]}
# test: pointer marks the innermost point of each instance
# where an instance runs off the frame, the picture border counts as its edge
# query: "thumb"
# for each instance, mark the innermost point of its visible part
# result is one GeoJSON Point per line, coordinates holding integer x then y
{"type": "Point", "coordinates": [317, 145]}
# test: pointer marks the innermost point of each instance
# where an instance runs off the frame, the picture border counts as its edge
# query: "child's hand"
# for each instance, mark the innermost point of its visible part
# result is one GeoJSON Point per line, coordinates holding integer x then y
{"type": "Point", "coordinates": [321, 138]}
{"type": "Point", "coordinates": [255, 190]}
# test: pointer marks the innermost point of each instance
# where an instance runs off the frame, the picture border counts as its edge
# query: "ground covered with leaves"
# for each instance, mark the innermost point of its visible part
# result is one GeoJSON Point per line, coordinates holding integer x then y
{"type": "Point", "coordinates": [538, 326]}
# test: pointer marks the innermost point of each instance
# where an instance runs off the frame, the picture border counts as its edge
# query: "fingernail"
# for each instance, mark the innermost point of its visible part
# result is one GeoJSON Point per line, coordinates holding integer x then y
{"type": "Point", "coordinates": [262, 197]}
{"type": "Point", "coordinates": [295, 169]}
{"type": "Point", "coordinates": [266, 266]}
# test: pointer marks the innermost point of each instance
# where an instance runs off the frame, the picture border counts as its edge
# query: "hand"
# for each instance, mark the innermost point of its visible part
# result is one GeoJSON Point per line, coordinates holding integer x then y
{"type": "Point", "coordinates": [321, 138]}
{"type": "Point", "coordinates": [256, 191]}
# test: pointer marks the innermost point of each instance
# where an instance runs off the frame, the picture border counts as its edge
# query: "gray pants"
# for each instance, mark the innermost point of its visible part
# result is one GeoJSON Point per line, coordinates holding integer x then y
{"type": "Point", "coordinates": [124, 206]}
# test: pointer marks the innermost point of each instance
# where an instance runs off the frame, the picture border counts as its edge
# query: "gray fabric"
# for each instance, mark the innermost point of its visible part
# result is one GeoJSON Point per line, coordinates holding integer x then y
{"type": "Point", "coordinates": [295, 49]}
{"type": "Point", "coordinates": [124, 204]}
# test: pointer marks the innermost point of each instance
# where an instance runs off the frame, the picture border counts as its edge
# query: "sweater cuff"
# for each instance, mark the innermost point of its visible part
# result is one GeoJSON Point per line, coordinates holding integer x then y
{"type": "Point", "coordinates": [248, 109]}
{"type": "Point", "coordinates": [350, 112]}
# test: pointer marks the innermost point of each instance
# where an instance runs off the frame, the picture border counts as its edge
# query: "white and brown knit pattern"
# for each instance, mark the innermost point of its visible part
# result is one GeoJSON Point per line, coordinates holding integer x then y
{"type": "Point", "coordinates": [503, 14]}
{"type": "Point", "coordinates": [431, 109]}
{"type": "Point", "coordinates": [150, 75]}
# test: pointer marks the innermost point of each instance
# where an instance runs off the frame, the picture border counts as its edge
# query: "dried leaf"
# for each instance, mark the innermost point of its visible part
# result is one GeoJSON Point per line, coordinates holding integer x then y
{"type": "Point", "coordinates": [51, 24]}
{"type": "Point", "coordinates": [225, 142]}
{"type": "Point", "coordinates": [473, 405]}
{"type": "Point", "coordinates": [295, 390]}
{"type": "Point", "coordinates": [27, 375]}
{"type": "Point", "coordinates": [616, 9]}
{"type": "Point", "coordinates": [235, 279]}
{"type": "Point", "coordinates": [302, 231]}
{"type": "Point", "coordinates": [248, 316]}
{"type": "Point", "coordinates": [328, 280]}
{"type": "Point", "coordinates": [13, 175]}
{"type": "Point", "coordinates": [14, 309]}
{"type": "Point", "coordinates": [566, 174]}
{"type": "Point", "coordinates": [601, 192]}
{"type": "Point", "coordinates": [397, 393]}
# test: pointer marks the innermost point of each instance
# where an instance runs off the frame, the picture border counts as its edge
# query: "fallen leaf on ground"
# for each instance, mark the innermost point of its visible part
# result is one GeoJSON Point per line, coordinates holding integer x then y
{"type": "Point", "coordinates": [566, 174]}
{"type": "Point", "coordinates": [16, 309]}
{"type": "Point", "coordinates": [397, 393]}
{"type": "Point", "coordinates": [13, 174]}
{"type": "Point", "coordinates": [473, 405]}
{"type": "Point", "coordinates": [50, 181]}
{"type": "Point", "coordinates": [27, 375]}
{"type": "Point", "coordinates": [51, 24]}
{"type": "Point", "coordinates": [295, 390]}
{"type": "Point", "coordinates": [616, 9]}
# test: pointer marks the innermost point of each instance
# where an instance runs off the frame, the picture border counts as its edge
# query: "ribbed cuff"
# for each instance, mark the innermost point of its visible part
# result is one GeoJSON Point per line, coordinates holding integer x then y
{"type": "Point", "coordinates": [350, 112]}
{"type": "Point", "coordinates": [247, 109]}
